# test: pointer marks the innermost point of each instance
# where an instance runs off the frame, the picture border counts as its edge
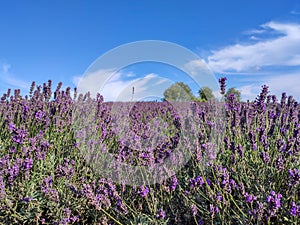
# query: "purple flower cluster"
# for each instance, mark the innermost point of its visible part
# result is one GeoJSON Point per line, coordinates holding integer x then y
{"type": "Point", "coordinates": [194, 210]}
{"type": "Point", "coordinates": [14, 170]}
{"type": "Point", "coordinates": [213, 210]}
{"type": "Point", "coordinates": [103, 194]}
{"type": "Point", "coordinates": [250, 198]}
{"type": "Point", "coordinates": [236, 155]}
{"type": "Point", "coordinates": [18, 135]}
{"type": "Point", "coordinates": [294, 176]}
{"type": "Point", "coordinates": [2, 188]}
{"type": "Point", "coordinates": [196, 182]}
{"type": "Point", "coordinates": [48, 190]}
{"type": "Point", "coordinates": [27, 199]}
{"type": "Point", "coordinates": [27, 164]}
{"type": "Point", "coordinates": [161, 214]}
{"type": "Point", "coordinates": [265, 157]}
{"type": "Point", "coordinates": [172, 184]}
{"type": "Point", "coordinates": [68, 218]}
{"type": "Point", "coordinates": [258, 211]}
{"type": "Point", "coordinates": [222, 82]}
{"type": "Point", "coordinates": [143, 191]}
{"type": "Point", "coordinates": [65, 170]}
{"type": "Point", "coordinates": [224, 180]}
{"type": "Point", "coordinates": [274, 203]}
{"type": "Point", "coordinates": [295, 209]}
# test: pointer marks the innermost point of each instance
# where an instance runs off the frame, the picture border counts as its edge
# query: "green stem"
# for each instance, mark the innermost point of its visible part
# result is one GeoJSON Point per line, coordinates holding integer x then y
{"type": "Point", "coordinates": [106, 213]}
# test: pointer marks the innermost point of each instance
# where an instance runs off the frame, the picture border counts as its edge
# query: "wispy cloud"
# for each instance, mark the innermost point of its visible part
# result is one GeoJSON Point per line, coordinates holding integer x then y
{"type": "Point", "coordinates": [200, 72]}
{"type": "Point", "coordinates": [119, 87]}
{"type": "Point", "coordinates": [10, 80]}
{"type": "Point", "coordinates": [5, 67]}
{"type": "Point", "coordinates": [278, 83]}
{"type": "Point", "coordinates": [271, 55]}
{"type": "Point", "coordinates": [249, 92]}
{"type": "Point", "coordinates": [288, 82]}
{"type": "Point", "coordinates": [255, 31]}
{"type": "Point", "coordinates": [295, 12]}
{"type": "Point", "coordinates": [281, 50]}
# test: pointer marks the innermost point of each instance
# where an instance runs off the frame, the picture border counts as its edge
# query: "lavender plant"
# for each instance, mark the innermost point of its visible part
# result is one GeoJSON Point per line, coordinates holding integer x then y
{"type": "Point", "coordinates": [243, 167]}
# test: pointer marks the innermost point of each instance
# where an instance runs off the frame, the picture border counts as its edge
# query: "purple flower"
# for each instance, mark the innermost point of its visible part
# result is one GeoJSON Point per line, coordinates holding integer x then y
{"type": "Point", "coordinates": [65, 170]}
{"type": "Point", "coordinates": [294, 177]}
{"type": "Point", "coordinates": [68, 217]}
{"type": "Point", "coordinates": [194, 210]}
{"type": "Point", "coordinates": [74, 219]}
{"type": "Point", "coordinates": [143, 191]}
{"type": "Point", "coordinates": [28, 162]}
{"type": "Point", "coordinates": [13, 149]}
{"type": "Point", "coordinates": [208, 182]}
{"type": "Point", "coordinates": [2, 188]}
{"type": "Point", "coordinates": [283, 99]}
{"type": "Point", "coordinates": [161, 214]}
{"type": "Point", "coordinates": [14, 170]}
{"type": "Point", "coordinates": [219, 197]}
{"type": "Point", "coordinates": [173, 183]}
{"type": "Point", "coordinates": [279, 163]}
{"type": "Point", "coordinates": [47, 189]}
{"type": "Point", "coordinates": [196, 182]}
{"type": "Point", "coordinates": [265, 157]}
{"type": "Point", "coordinates": [27, 199]}
{"type": "Point", "coordinates": [233, 183]}
{"type": "Point", "coordinates": [19, 135]}
{"type": "Point", "coordinates": [250, 198]}
{"type": "Point", "coordinates": [39, 115]}
{"type": "Point", "coordinates": [121, 207]}
{"type": "Point", "coordinates": [200, 222]}
{"type": "Point", "coordinates": [274, 203]}
{"type": "Point", "coordinates": [258, 211]}
{"type": "Point", "coordinates": [254, 146]}
{"type": "Point", "coordinates": [213, 210]}
{"type": "Point", "coordinates": [222, 82]}
{"type": "Point", "coordinates": [295, 210]}
{"type": "Point", "coordinates": [260, 100]}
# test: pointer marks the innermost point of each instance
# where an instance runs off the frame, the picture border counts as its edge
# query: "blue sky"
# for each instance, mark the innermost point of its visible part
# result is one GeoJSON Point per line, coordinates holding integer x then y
{"type": "Point", "coordinates": [250, 42]}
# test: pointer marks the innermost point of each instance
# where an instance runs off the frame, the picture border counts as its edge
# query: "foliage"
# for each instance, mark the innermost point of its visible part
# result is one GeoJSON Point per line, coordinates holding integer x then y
{"type": "Point", "coordinates": [205, 93]}
{"type": "Point", "coordinates": [179, 92]}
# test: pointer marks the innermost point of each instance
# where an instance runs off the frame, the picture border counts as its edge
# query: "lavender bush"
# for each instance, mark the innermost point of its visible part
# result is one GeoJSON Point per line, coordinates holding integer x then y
{"type": "Point", "coordinates": [243, 167]}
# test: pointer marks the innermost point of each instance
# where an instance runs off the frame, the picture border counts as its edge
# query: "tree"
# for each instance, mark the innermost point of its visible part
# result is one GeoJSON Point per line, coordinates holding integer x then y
{"type": "Point", "coordinates": [233, 91]}
{"type": "Point", "coordinates": [179, 92]}
{"type": "Point", "coordinates": [205, 93]}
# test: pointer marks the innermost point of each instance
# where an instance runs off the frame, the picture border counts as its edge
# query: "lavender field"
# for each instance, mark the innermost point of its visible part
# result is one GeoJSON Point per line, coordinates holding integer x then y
{"type": "Point", "coordinates": [241, 160]}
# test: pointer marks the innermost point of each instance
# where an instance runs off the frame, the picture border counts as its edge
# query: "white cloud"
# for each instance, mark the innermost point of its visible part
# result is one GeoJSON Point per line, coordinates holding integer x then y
{"type": "Point", "coordinates": [76, 80]}
{"type": "Point", "coordinates": [249, 92]}
{"type": "Point", "coordinates": [288, 83]}
{"type": "Point", "coordinates": [17, 83]}
{"type": "Point", "coordinates": [294, 12]}
{"type": "Point", "coordinates": [283, 50]}
{"type": "Point", "coordinates": [254, 38]}
{"type": "Point", "coordinates": [119, 86]}
{"type": "Point", "coordinates": [10, 81]}
{"type": "Point", "coordinates": [93, 82]}
{"type": "Point", "coordinates": [5, 67]}
{"type": "Point", "coordinates": [255, 31]}
{"type": "Point", "coordinates": [149, 86]}
{"type": "Point", "coordinates": [278, 83]}
{"type": "Point", "coordinates": [202, 74]}
{"type": "Point", "coordinates": [130, 74]}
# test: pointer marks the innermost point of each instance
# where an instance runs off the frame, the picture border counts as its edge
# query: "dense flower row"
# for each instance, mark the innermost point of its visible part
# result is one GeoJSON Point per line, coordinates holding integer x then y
{"type": "Point", "coordinates": [242, 168]}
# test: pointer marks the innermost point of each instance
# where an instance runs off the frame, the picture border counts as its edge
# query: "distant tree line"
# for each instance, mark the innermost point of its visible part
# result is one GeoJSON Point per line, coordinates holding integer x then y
{"type": "Point", "coordinates": [180, 91]}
